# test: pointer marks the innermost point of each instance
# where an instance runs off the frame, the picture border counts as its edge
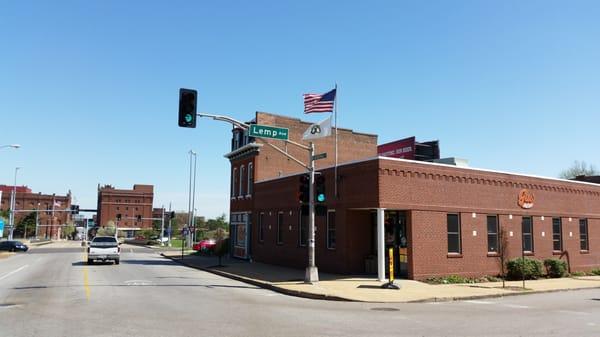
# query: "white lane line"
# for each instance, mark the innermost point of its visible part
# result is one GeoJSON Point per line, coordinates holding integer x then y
{"type": "Point", "coordinates": [12, 272]}
{"type": "Point", "coordinates": [516, 306]}
{"type": "Point", "coordinates": [573, 312]}
{"type": "Point", "coordinates": [479, 302]}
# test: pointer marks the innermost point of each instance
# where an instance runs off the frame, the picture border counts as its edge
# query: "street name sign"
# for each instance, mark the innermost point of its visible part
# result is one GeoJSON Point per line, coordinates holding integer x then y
{"type": "Point", "coordinates": [320, 156]}
{"type": "Point", "coordinates": [265, 131]}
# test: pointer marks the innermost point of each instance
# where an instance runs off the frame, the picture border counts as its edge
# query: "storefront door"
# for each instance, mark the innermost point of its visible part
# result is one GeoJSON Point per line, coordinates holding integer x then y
{"type": "Point", "coordinates": [397, 239]}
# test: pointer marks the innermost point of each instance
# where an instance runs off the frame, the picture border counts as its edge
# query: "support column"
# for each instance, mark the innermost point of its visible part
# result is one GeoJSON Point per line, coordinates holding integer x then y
{"type": "Point", "coordinates": [380, 244]}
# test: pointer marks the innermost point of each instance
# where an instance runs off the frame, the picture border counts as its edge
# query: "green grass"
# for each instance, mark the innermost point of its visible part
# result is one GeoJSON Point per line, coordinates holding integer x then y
{"type": "Point", "coordinates": [176, 243]}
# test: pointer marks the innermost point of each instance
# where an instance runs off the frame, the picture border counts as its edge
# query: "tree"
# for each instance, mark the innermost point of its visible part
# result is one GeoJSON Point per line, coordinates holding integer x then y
{"type": "Point", "coordinates": [69, 230]}
{"type": "Point", "coordinates": [503, 253]}
{"type": "Point", "coordinates": [577, 169]}
{"type": "Point", "coordinates": [28, 222]}
{"type": "Point", "coordinates": [217, 223]}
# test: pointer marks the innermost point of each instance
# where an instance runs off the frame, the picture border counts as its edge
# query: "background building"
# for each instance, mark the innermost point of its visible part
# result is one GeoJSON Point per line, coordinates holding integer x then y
{"type": "Point", "coordinates": [56, 209]}
{"type": "Point", "coordinates": [129, 210]}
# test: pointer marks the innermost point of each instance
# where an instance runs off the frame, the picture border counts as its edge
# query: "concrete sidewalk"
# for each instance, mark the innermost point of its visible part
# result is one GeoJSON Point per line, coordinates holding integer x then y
{"type": "Point", "coordinates": [367, 289]}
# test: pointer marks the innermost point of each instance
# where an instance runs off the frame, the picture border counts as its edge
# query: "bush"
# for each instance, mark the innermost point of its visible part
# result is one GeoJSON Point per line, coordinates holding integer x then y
{"type": "Point", "coordinates": [578, 273]}
{"type": "Point", "coordinates": [531, 268]}
{"type": "Point", "coordinates": [555, 267]}
{"type": "Point", "coordinates": [595, 272]}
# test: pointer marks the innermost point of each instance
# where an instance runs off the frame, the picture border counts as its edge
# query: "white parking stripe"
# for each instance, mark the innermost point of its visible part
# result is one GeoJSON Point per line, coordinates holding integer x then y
{"type": "Point", "coordinates": [13, 272]}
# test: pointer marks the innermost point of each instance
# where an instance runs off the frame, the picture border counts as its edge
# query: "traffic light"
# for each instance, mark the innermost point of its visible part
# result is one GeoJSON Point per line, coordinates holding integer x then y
{"type": "Point", "coordinates": [139, 218]}
{"type": "Point", "coordinates": [320, 189]}
{"type": "Point", "coordinates": [119, 217]}
{"type": "Point", "coordinates": [187, 108]}
{"type": "Point", "coordinates": [172, 216]}
{"type": "Point", "coordinates": [74, 209]}
{"type": "Point", "coordinates": [303, 190]}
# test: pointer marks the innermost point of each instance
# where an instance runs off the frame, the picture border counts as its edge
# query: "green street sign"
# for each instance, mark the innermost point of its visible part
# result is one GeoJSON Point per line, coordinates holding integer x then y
{"type": "Point", "coordinates": [264, 131]}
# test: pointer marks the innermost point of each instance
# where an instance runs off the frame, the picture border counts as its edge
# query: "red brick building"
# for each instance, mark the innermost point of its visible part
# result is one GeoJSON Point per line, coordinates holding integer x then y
{"type": "Point", "coordinates": [129, 210]}
{"type": "Point", "coordinates": [50, 221]}
{"type": "Point", "coordinates": [439, 219]}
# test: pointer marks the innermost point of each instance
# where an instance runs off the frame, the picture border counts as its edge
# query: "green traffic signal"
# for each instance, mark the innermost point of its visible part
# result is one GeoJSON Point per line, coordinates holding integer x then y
{"type": "Point", "coordinates": [320, 197]}
{"type": "Point", "coordinates": [188, 118]}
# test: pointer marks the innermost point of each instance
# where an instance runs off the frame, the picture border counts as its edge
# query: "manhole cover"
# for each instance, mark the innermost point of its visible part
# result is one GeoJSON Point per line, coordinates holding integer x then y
{"type": "Point", "coordinates": [385, 309]}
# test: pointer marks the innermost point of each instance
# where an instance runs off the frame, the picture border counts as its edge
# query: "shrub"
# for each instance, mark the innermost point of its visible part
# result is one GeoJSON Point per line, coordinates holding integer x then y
{"type": "Point", "coordinates": [555, 267]}
{"type": "Point", "coordinates": [578, 273]}
{"type": "Point", "coordinates": [531, 268]}
{"type": "Point", "coordinates": [595, 272]}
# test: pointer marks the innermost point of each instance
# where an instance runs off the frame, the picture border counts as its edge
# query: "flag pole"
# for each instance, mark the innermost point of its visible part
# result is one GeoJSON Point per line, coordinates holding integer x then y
{"type": "Point", "coordinates": [335, 178]}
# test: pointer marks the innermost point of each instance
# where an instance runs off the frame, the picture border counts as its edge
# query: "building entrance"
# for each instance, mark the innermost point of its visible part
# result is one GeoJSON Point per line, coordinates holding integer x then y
{"type": "Point", "coordinates": [397, 239]}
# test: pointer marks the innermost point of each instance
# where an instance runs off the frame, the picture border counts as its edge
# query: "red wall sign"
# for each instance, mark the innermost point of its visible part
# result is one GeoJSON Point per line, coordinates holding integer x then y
{"type": "Point", "coordinates": [526, 199]}
{"type": "Point", "coordinates": [403, 148]}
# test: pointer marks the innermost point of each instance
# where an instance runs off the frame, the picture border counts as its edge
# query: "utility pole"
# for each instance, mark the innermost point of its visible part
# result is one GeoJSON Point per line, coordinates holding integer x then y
{"type": "Point", "coordinates": [170, 218]}
{"type": "Point", "coordinates": [37, 219]}
{"type": "Point", "coordinates": [193, 231]}
{"type": "Point", "coordinates": [13, 202]}
{"type": "Point", "coordinates": [162, 226]}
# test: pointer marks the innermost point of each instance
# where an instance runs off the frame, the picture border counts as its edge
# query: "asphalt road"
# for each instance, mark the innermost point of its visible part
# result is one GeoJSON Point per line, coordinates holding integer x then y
{"type": "Point", "coordinates": [49, 291]}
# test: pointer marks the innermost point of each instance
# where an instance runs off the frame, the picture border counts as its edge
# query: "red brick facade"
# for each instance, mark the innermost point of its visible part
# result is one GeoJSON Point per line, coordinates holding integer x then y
{"type": "Point", "coordinates": [129, 204]}
{"type": "Point", "coordinates": [426, 193]}
{"type": "Point", "coordinates": [49, 222]}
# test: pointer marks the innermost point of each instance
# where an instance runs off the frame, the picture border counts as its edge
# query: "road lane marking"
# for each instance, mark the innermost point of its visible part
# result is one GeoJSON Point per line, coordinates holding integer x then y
{"type": "Point", "coordinates": [573, 312]}
{"type": "Point", "coordinates": [516, 306]}
{"type": "Point", "coordinates": [479, 302]}
{"type": "Point", "coordinates": [86, 284]}
{"type": "Point", "coordinates": [13, 272]}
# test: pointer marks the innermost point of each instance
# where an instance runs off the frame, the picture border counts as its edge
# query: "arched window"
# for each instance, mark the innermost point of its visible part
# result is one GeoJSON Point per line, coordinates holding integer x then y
{"type": "Point", "coordinates": [242, 174]}
{"type": "Point", "coordinates": [233, 180]}
{"type": "Point", "coordinates": [250, 177]}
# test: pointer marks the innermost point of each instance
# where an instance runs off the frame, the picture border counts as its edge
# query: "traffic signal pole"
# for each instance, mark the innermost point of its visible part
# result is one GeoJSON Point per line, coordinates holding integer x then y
{"type": "Point", "coordinates": [312, 274]}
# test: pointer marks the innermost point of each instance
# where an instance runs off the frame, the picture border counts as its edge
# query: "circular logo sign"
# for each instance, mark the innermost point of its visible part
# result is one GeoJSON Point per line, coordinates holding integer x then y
{"type": "Point", "coordinates": [526, 199]}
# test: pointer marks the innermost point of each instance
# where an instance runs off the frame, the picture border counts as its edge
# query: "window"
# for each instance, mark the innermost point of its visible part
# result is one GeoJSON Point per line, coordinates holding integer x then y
{"type": "Point", "coordinates": [280, 228]}
{"type": "Point", "coordinates": [261, 230]}
{"type": "Point", "coordinates": [492, 232]}
{"type": "Point", "coordinates": [556, 234]}
{"type": "Point", "coordinates": [303, 228]}
{"type": "Point", "coordinates": [242, 174]}
{"type": "Point", "coordinates": [453, 222]}
{"type": "Point", "coordinates": [583, 234]}
{"type": "Point", "coordinates": [331, 229]}
{"type": "Point", "coordinates": [250, 177]}
{"type": "Point", "coordinates": [233, 180]}
{"type": "Point", "coordinates": [527, 234]}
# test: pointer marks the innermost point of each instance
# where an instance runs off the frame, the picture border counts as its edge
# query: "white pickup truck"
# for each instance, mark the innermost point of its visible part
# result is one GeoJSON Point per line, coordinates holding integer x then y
{"type": "Point", "coordinates": [104, 248]}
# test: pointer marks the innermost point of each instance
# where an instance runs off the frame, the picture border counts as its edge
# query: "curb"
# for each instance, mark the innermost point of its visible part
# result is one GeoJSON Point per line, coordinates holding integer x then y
{"type": "Point", "coordinates": [303, 294]}
{"type": "Point", "coordinates": [37, 244]}
{"type": "Point", "coordinates": [264, 285]}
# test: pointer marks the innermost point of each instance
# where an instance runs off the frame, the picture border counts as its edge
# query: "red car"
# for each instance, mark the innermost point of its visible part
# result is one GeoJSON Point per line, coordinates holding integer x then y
{"type": "Point", "coordinates": [205, 245]}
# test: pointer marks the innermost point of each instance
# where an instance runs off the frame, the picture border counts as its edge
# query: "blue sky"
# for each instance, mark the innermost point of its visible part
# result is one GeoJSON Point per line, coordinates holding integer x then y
{"type": "Point", "coordinates": [90, 88]}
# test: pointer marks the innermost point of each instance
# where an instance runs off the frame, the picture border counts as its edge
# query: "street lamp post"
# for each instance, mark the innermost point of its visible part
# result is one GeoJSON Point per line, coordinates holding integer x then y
{"type": "Point", "coordinates": [191, 198]}
{"type": "Point", "coordinates": [12, 206]}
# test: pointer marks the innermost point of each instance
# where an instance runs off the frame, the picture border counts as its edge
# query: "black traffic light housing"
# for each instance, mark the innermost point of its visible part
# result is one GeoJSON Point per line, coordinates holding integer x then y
{"type": "Point", "coordinates": [172, 215]}
{"type": "Point", "coordinates": [320, 196]}
{"type": "Point", "coordinates": [188, 98]}
{"type": "Point", "coordinates": [139, 218]}
{"type": "Point", "coordinates": [119, 217]}
{"type": "Point", "coordinates": [74, 209]}
{"type": "Point", "coordinates": [304, 189]}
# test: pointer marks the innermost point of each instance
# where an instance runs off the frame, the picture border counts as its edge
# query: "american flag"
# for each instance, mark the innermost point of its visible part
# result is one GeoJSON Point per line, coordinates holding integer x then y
{"type": "Point", "coordinates": [318, 102]}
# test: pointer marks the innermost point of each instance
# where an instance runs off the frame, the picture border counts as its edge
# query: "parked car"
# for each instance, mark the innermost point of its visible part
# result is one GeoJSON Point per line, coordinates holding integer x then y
{"type": "Point", "coordinates": [207, 245]}
{"type": "Point", "coordinates": [104, 248]}
{"type": "Point", "coordinates": [13, 246]}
